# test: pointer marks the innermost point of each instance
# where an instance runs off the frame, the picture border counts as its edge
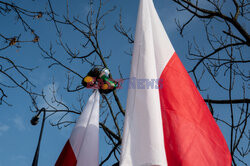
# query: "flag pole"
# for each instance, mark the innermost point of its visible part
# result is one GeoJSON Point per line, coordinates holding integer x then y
{"type": "Point", "coordinates": [34, 121]}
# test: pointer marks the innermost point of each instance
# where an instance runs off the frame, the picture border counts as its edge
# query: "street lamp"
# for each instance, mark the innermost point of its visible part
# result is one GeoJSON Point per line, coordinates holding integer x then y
{"type": "Point", "coordinates": [34, 121]}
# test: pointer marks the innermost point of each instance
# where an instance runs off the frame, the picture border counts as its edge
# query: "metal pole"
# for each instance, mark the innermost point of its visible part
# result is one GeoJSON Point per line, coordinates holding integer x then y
{"type": "Point", "coordinates": [34, 121]}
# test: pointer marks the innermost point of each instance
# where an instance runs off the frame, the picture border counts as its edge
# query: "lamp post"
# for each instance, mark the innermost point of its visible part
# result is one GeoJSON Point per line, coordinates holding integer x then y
{"type": "Point", "coordinates": [34, 121]}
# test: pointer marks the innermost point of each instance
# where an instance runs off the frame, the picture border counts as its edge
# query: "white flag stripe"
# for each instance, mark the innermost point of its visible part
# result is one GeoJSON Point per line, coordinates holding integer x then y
{"type": "Point", "coordinates": [142, 143]}
{"type": "Point", "coordinates": [85, 136]}
{"type": "Point", "coordinates": [162, 45]}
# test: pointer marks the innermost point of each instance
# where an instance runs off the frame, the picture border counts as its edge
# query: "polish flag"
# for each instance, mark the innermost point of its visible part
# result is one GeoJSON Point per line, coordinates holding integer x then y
{"type": "Point", "coordinates": [171, 125]}
{"type": "Point", "coordinates": [82, 148]}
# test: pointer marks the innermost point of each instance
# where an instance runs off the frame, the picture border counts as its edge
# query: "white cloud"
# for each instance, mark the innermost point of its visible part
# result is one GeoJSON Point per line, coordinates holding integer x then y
{"type": "Point", "coordinates": [3, 128]}
{"type": "Point", "coordinates": [50, 92]}
{"type": "Point", "coordinates": [19, 123]}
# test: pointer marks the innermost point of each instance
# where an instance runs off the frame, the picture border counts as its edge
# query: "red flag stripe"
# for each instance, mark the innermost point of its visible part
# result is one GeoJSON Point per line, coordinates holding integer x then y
{"type": "Point", "coordinates": [191, 135]}
{"type": "Point", "coordinates": [67, 156]}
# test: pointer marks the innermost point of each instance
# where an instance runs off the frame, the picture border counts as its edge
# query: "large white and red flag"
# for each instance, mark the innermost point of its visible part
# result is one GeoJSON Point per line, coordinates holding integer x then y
{"type": "Point", "coordinates": [82, 148]}
{"type": "Point", "coordinates": [171, 125]}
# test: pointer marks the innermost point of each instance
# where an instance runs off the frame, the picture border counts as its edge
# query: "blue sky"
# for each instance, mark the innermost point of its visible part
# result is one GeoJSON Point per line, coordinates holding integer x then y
{"type": "Point", "coordinates": [18, 138]}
